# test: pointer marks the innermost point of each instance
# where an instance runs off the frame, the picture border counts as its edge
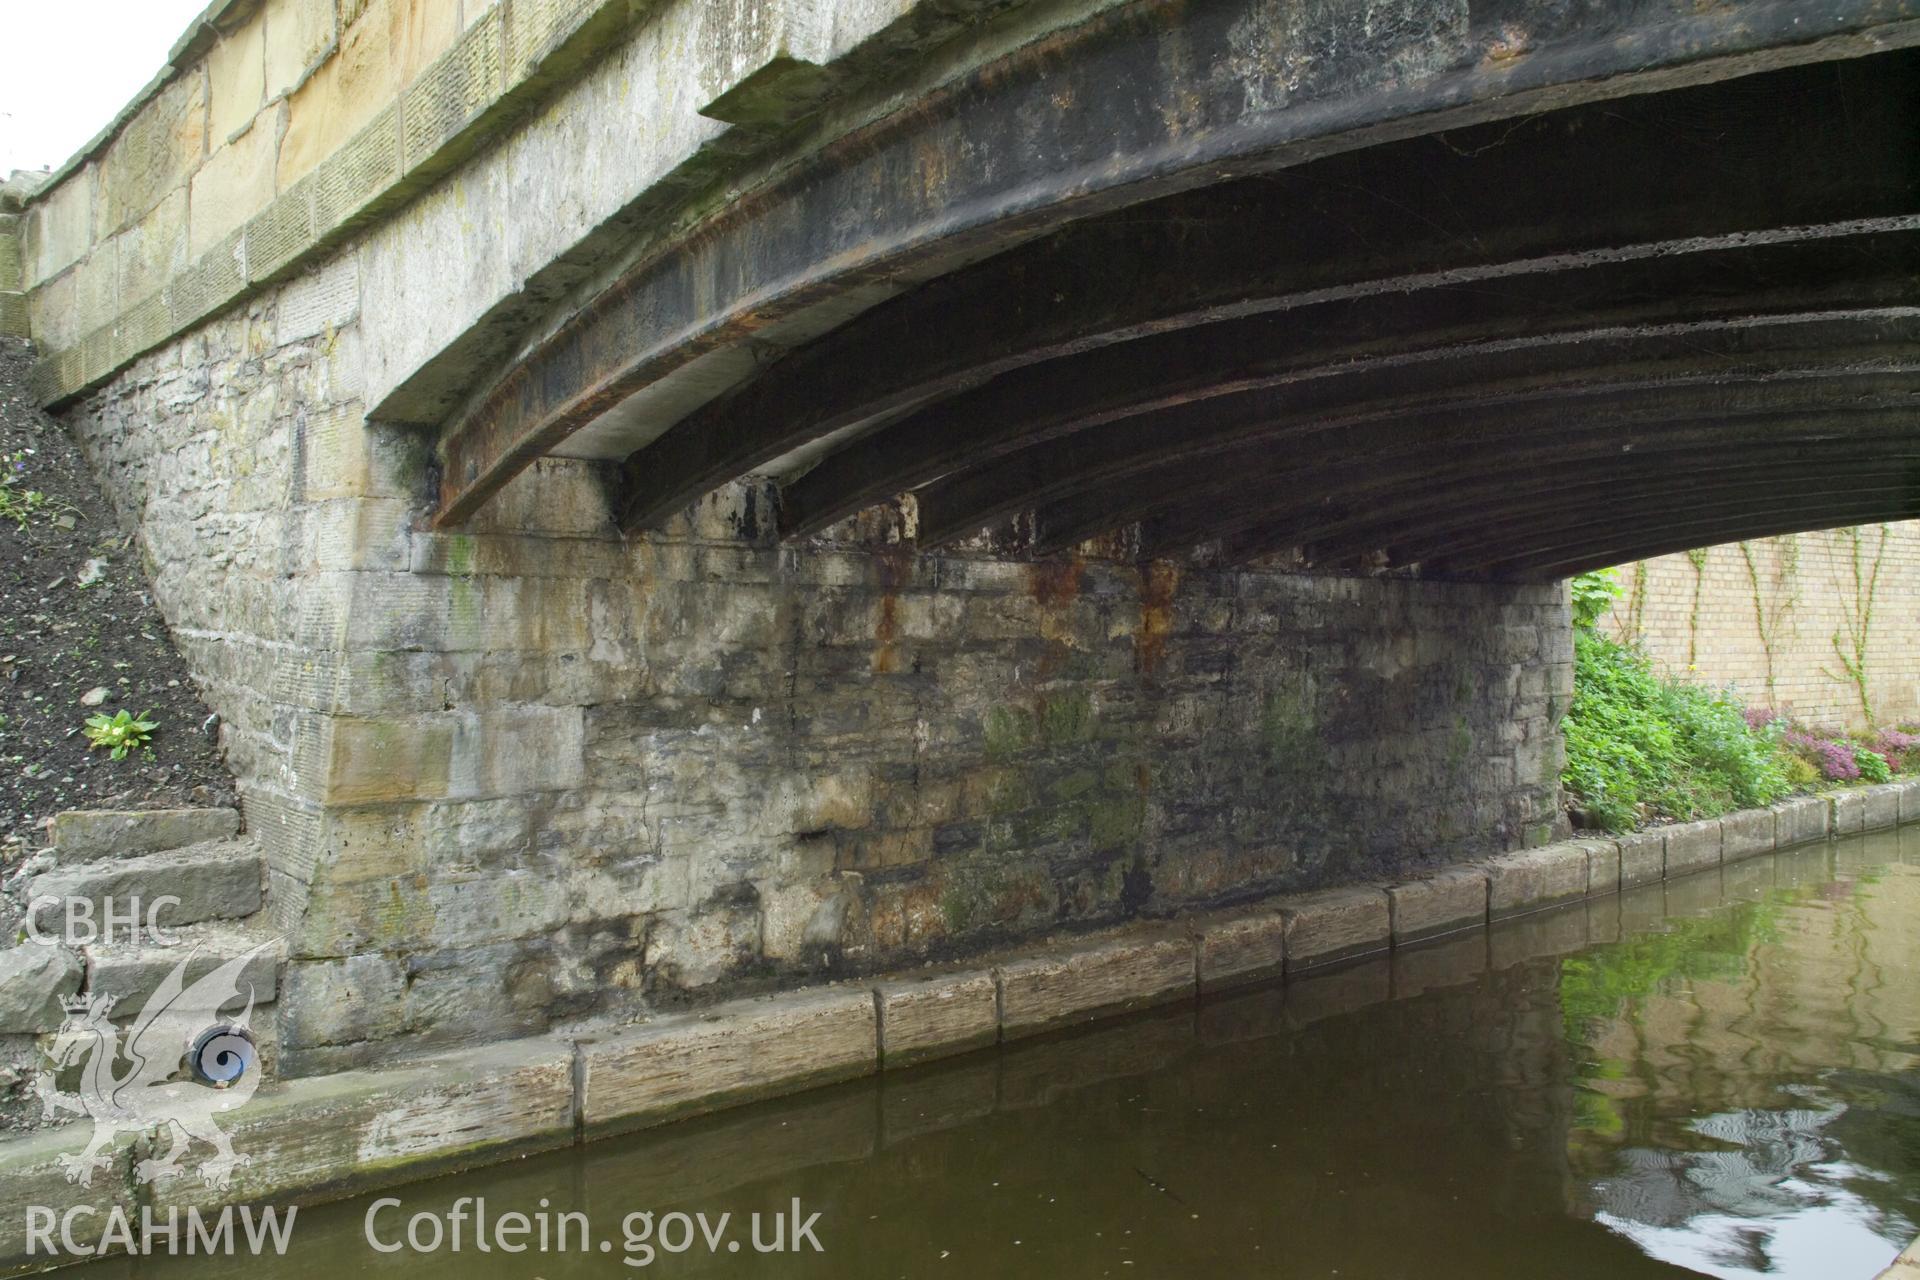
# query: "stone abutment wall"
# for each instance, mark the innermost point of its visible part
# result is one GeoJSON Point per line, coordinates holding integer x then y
{"type": "Point", "coordinates": [534, 774]}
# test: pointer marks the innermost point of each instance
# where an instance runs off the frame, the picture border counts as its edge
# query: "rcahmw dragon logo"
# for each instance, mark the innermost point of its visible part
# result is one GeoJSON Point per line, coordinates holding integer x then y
{"type": "Point", "coordinates": [184, 1065]}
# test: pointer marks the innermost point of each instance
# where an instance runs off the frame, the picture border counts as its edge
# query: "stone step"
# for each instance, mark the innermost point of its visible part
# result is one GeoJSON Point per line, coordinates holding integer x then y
{"type": "Point", "coordinates": [86, 835]}
{"type": "Point", "coordinates": [131, 972]}
{"type": "Point", "coordinates": [215, 880]}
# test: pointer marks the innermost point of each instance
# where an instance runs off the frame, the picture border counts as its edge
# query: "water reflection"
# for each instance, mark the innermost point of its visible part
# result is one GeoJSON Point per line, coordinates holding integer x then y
{"type": "Point", "coordinates": [1745, 1102]}
{"type": "Point", "coordinates": [1715, 1075]}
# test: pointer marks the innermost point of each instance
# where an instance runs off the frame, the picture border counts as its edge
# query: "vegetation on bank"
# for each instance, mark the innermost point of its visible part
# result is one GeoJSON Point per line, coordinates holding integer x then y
{"type": "Point", "coordinates": [1643, 748]}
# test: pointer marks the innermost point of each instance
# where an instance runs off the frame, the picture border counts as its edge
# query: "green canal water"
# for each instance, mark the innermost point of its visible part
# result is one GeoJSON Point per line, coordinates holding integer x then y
{"type": "Point", "coordinates": [1713, 1076]}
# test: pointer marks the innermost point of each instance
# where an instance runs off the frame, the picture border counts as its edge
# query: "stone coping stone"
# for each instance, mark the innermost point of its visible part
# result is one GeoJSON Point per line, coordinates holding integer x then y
{"type": "Point", "coordinates": [1603, 865]}
{"type": "Point", "coordinates": [324, 1137]}
{"type": "Point", "coordinates": [1331, 925]}
{"type": "Point", "coordinates": [1881, 806]}
{"type": "Point", "coordinates": [31, 1175]}
{"type": "Point", "coordinates": [1849, 811]}
{"type": "Point", "coordinates": [936, 1013]}
{"type": "Point", "coordinates": [732, 1053]}
{"type": "Point", "coordinates": [1909, 800]}
{"type": "Point", "coordinates": [1534, 879]}
{"type": "Point", "coordinates": [1094, 977]}
{"type": "Point", "coordinates": [84, 835]}
{"type": "Point", "coordinates": [1643, 858]}
{"type": "Point", "coordinates": [1240, 946]}
{"type": "Point", "coordinates": [1748, 834]}
{"type": "Point", "coordinates": [1801, 821]}
{"type": "Point", "coordinates": [1444, 902]}
{"type": "Point", "coordinates": [1693, 846]}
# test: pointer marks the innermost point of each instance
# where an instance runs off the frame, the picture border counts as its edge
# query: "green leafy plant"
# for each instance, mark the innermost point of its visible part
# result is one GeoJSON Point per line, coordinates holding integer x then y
{"type": "Point", "coordinates": [1872, 765]}
{"type": "Point", "coordinates": [120, 732]}
{"type": "Point", "coordinates": [1641, 747]}
{"type": "Point", "coordinates": [1593, 594]}
{"type": "Point", "coordinates": [17, 503]}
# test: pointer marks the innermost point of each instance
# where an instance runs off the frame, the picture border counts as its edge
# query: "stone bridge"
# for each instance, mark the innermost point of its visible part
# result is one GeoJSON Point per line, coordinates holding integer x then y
{"type": "Point", "coordinates": [675, 496]}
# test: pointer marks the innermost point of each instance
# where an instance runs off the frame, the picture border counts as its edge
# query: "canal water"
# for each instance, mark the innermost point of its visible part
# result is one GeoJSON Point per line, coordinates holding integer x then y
{"type": "Point", "coordinates": [1713, 1076]}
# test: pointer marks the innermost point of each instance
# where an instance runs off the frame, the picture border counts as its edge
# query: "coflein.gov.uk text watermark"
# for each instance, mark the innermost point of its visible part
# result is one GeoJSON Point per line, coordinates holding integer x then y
{"type": "Point", "coordinates": [468, 1225]}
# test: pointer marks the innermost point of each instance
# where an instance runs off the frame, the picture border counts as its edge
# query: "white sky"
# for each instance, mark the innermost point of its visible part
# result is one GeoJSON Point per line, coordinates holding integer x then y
{"type": "Point", "coordinates": [67, 67]}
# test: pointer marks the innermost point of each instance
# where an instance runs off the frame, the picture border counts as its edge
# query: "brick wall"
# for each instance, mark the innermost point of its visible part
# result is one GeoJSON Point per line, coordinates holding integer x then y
{"type": "Point", "coordinates": [1772, 618]}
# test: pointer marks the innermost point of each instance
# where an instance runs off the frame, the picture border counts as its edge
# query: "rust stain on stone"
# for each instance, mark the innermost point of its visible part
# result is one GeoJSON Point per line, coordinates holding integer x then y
{"type": "Point", "coordinates": [1158, 580]}
{"type": "Point", "coordinates": [892, 569]}
{"type": "Point", "coordinates": [1055, 583]}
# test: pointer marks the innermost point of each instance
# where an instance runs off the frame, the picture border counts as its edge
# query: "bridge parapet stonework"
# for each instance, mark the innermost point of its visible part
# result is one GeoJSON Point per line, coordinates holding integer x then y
{"type": "Point", "coordinates": [534, 772]}
{"type": "Point", "coordinates": [280, 129]}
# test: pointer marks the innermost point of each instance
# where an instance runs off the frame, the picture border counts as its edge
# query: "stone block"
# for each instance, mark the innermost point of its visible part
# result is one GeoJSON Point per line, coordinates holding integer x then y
{"type": "Point", "coordinates": [443, 96]}
{"type": "Point", "coordinates": [1603, 866]}
{"type": "Point", "coordinates": [357, 1130]}
{"type": "Point", "coordinates": [1849, 811]}
{"type": "Point", "coordinates": [1532, 879]}
{"type": "Point", "coordinates": [83, 835]}
{"type": "Point", "coordinates": [31, 1174]}
{"type": "Point", "coordinates": [154, 153]}
{"type": "Point", "coordinates": [1643, 858]}
{"type": "Point", "coordinates": [936, 1013]}
{"type": "Point", "coordinates": [234, 185]}
{"type": "Point", "coordinates": [1090, 978]}
{"type": "Point", "coordinates": [732, 1053]}
{"type": "Point", "coordinates": [1880, 806]}
{"type": "Point", "coordinates": [210, 882]}
{"type": "Point", "coordinates": [133, 973]}
{"type": "Point", "coordinates": [58, 228]}
{"type": "Point", "coordinates": [1800, 821]}
{"type": "Point", "coordinates": [34, 978]}
{"type": "Point", "coordinates": [1693, 846]}
{"type": "Point", "coordinates": [1332, 925]}
{"type": "Point", "coordinates": [1240, 946]}
{"type": "Point", "coordinates": [150, 253]}
{"type": "Point", "coordinates": [299, 34]}
{"type": "Point", "coordinates": [1747, 834]}
{"type": "Point", "coordinates": [353, 998]}
{"type": "Point", "coordinates": [1443, 902]}
{"type": "Point", "coordinates": [236, 75]}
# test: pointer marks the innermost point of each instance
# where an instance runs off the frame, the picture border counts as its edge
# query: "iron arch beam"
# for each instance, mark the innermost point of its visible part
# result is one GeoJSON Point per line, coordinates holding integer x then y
{"type": "Point", "coordinates": [1483, 493]}
{"type": "Point", "coordinates": [1541, 317]}
{"type": "Point", "coordinates": [1389, 453]}
{"type": "Point", "coordinates": [1445, 532]}
{"type": "Point", "coordinates": [1682, 537]}
{"type": "Point", "coordinates": [1084, 122]}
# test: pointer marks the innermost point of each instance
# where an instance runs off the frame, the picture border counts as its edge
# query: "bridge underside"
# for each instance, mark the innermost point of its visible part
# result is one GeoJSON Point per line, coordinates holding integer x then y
{"type": "Point", "coordinates": [1515, 349]}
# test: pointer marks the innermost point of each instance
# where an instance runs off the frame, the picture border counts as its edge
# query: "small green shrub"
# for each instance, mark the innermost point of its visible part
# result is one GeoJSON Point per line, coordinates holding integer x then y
{"type": "Point", "coordinates": [17, 503]}
{"type": "Point", "coordinates": [120, 732]}
{"type": "Point", "coordinates": [1872, 765]}
{"type": "Point", "coordinates": [1641, 747]}
{"type": "Point", "coordinates": [1800, 771]}
{"type": "Point", "coordinates": [1592, 594]}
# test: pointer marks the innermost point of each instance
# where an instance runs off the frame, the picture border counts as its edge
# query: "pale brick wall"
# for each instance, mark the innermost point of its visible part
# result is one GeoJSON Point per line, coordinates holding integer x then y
{"type": "Point", "coordinates": [1763, 616]}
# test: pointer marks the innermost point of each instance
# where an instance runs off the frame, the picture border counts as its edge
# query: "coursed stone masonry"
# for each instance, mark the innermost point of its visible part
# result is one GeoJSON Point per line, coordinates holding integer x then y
{"type": "Point", "coordinates": [533, 775]}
